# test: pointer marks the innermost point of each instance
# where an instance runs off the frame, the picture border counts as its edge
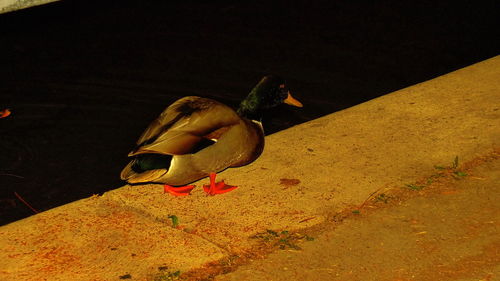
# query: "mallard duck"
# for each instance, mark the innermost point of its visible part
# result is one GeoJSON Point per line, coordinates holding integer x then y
{"type": "Point", "coordinates": [197, 137]}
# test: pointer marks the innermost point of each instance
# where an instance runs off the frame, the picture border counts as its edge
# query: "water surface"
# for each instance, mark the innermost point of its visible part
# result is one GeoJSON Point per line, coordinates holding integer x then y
{"type": "Point", "coordinates": [84, 78]}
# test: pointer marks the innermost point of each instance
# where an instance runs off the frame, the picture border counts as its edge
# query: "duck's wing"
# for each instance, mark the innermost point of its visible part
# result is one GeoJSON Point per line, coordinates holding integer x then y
{"type": "Point", "coordinates": [184, 125]}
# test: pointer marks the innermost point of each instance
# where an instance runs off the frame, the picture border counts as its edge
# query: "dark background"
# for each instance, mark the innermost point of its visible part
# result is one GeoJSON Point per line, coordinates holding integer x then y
{"type": "Point", "coordinates": [84, 78]}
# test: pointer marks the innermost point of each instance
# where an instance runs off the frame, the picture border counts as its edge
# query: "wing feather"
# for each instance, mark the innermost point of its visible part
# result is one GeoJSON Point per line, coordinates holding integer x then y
{"type": "Point", "coordinates": [183, 125]}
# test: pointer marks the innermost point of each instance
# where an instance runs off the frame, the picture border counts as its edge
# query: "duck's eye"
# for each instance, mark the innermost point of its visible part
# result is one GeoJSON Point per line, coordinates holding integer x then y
{"type": "Point", "coordinates": [283, 93]}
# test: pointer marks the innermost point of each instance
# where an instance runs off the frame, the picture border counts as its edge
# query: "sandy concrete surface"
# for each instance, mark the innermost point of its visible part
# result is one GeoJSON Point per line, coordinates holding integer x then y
{"type": "Point", "coordinates": [306, 175]}
{"type": "Point", "coordinates": [448, 233]}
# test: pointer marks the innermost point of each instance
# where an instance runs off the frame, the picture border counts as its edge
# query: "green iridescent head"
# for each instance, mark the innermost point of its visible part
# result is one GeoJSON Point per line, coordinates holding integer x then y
{"type": "Point", "coordinates": [270, 92]}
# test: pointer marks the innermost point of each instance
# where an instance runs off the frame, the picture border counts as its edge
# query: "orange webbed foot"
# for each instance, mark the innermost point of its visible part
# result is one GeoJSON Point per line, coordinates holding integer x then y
{"type": "Point", "coordinates": [217, 187]}
{"type": "Point", "coordinates": [178, 190]}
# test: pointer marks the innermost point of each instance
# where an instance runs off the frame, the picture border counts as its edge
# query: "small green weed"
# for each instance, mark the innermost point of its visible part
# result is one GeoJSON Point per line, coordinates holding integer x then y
{"type": "Point", "coordinates": [455, 162]}
{"type": "Point", "coordinates": [415, 187]}
{"type": "Point", "coordinates": [175, 220]}
{"type": "Point", "coordinates": [382, 198]}
{"type": "Point", "coordinates": [283, 240]}
{"type": "Point", "coordinates": [453, 166]}
{"type": "Point", "coordinates": [443, 172]}
{"type": "Point", "coordinates": [460, 174]}
{"type": "Point", "coordinates": [168, 276]}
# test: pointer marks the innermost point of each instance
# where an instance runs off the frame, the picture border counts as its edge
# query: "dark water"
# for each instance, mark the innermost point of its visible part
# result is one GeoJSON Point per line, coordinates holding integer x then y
{"type": "Point", "coordinates": [84, 78]}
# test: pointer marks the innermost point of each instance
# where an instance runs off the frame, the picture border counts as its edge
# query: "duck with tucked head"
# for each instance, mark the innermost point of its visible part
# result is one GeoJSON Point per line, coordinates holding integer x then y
{"type": "Point", "coordinates": [197, 137]}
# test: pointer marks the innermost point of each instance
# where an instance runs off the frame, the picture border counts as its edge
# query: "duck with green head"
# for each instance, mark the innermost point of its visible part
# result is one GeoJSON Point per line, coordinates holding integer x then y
{"type": "Point", "coordinates": [197, 137]}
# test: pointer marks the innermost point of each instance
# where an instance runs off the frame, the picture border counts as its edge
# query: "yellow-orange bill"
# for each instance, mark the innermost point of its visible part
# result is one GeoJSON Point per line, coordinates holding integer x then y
{"type": "Point", "coordinates": [4, 113]}
{"type": "Point", "coordinates": [292, 101]}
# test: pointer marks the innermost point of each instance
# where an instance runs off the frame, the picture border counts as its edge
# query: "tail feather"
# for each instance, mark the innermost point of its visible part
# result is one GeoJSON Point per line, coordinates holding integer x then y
{"type": "Point", "coordinates": [138, 171]}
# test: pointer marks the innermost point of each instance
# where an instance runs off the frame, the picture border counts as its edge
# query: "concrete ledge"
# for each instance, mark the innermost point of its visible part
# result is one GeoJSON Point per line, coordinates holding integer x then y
{"type": "Point", "coordinates": [306, 173]}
